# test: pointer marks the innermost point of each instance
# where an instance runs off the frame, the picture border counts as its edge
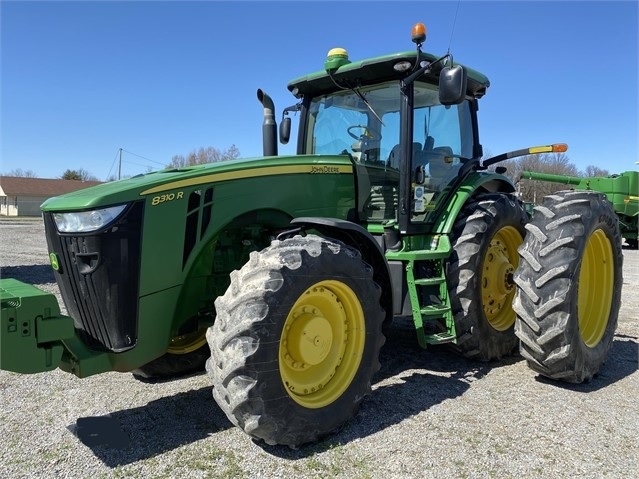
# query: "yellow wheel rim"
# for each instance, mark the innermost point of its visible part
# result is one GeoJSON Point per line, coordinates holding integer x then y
{"type": "Point", "coordinates": [322, 344]}
{"type": "Point", "coordinates": [187, 343]}
{"type": "Point", "coordinates": [596, 285]}
{"type": "Point", "coordinates": [497, 287]}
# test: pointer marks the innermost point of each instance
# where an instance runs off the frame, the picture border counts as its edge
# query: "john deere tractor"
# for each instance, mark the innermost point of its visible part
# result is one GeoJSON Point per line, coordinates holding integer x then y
{"type": "Point", "coordinates": [283, 274]}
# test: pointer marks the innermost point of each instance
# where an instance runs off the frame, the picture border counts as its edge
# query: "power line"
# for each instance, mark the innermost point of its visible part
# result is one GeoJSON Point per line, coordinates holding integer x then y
{"type": "Point", "coordinates": [112, 164]}
{"type": "Point", "coordinates": [144, 158]}
{"type": "Point", "coordinates": [118, 160]}
{"type": "Point", "coordinates": [133, 163]}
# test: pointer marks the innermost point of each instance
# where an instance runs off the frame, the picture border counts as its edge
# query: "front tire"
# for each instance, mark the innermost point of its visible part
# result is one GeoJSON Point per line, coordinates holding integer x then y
{"type": "Point", "coordinates": [485, 239]}
{"type": "Point", "coordinates": [569, 285]}
{"type": "Point", "coordinates": [296, 340]}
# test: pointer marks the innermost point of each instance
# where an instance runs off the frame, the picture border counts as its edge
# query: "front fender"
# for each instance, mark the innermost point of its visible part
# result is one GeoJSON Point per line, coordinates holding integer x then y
{"type": "Point", "coordinates": [359, 238]}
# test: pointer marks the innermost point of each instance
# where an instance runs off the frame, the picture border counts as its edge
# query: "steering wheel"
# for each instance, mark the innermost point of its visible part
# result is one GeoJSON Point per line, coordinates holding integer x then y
{"type": "Point", "coordinates": [367, 133]}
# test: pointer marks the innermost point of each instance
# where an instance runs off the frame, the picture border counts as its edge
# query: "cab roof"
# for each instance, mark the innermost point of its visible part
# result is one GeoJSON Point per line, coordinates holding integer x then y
{"type": "Point", "coordinates": [377, 70]}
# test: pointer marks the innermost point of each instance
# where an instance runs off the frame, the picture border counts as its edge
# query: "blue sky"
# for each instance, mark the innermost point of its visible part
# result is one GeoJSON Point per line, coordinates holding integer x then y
{"type": "Point", "coordinates": [80, 80]}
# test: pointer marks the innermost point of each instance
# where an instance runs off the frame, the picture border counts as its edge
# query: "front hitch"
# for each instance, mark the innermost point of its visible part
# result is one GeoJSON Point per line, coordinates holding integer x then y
{"type": "Point", "coordinates": [31, 328]}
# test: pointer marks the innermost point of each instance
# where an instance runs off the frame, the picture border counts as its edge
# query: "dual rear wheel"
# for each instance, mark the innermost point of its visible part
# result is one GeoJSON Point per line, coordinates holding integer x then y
{"type": "Point", "coordinates": [550, 285]}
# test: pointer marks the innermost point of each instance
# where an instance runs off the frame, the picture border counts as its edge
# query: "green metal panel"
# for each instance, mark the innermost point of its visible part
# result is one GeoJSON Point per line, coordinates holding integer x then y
{"type": "Point", "coordinates": [567, 180]}
{"type": "Point", "coordinates": [279, 191]}
{"type": "Point", "coordinates": [159, 185]}
{"type": "Point", "coordinates": [622, 190]}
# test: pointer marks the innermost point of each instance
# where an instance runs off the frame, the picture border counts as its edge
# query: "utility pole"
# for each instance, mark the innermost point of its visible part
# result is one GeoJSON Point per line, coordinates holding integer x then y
{"type": "Point", "coordinates": [120, 165]}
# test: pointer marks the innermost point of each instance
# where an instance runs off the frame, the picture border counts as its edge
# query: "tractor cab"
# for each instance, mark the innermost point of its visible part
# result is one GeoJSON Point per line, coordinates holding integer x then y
{"type": "Point", "coordinates": [407, 121]}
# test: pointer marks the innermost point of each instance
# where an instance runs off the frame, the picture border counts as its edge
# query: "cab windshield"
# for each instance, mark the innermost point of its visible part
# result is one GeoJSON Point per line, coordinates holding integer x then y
{"type": "Point", "coordinates": [342, 123]}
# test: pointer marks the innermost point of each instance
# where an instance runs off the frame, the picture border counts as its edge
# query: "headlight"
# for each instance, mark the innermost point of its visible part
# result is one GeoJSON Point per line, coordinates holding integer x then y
{"type": "Point", "coordinates": [86, 221]}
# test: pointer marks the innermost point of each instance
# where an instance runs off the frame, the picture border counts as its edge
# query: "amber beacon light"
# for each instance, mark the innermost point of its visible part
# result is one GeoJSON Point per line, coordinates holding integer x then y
{"type": "Point", "coordinates": [418, 34]}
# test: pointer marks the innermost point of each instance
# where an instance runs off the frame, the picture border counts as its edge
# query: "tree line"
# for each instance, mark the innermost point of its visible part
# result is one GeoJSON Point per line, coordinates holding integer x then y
{"type": "Point", "coordinates": [204, 155]}
{"type": "Point", "coordinates": [195, 157]}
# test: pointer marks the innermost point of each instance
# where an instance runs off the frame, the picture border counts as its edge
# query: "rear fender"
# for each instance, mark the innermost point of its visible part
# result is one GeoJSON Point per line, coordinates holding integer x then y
{"type": "Point", "coordinates": [475, 184]}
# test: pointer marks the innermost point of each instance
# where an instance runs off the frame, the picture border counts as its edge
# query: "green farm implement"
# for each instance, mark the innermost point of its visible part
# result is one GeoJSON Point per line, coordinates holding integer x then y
{"type": "Point", "coordinates": [622, 191]}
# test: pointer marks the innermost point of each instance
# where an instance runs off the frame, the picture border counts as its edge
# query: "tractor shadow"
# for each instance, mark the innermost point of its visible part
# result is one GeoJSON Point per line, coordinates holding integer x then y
{"type": "Point", "coordinates": [411, 380]}
{"type": "Point", "coordinates": [131, 435]}
{"type": "Point", "coordinates": [31, 274]}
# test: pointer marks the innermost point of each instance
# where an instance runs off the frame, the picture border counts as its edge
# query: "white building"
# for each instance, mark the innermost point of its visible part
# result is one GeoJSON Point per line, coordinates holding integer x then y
{"type": "Point", "coordinates": [20, 196]}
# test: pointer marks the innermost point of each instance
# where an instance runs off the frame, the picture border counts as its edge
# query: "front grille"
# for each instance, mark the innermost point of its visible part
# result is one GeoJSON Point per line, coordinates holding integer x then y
{"type": "Point", "coordinates": [98, 277]}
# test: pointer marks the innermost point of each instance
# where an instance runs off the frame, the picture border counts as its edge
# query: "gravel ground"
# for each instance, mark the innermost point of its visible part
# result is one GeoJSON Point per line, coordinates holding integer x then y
{"type": "Point", "coordinates": [431, 414]}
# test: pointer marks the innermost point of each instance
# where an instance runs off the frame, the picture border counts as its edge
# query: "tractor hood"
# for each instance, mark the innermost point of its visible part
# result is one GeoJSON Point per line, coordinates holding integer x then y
{"type": "Point", "coordinates": [141, 186]}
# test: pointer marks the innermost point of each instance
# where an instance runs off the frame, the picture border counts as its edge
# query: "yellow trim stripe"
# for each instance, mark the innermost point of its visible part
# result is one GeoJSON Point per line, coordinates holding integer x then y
{"type": "Point", "coordinates": [252, 173]}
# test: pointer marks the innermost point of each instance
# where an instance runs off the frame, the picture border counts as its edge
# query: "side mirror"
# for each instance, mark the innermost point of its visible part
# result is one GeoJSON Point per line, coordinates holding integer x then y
{"type": "Point", "coordinates": [285, 130]}
{"type": "Point", "coordinates": [452, 85]}
{"type": "Point", "coordinates": [420, 175]}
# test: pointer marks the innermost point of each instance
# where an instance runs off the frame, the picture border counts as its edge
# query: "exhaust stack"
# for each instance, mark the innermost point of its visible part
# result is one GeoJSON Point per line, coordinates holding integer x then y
{"type": "Point", "coordinates": [269, 126]}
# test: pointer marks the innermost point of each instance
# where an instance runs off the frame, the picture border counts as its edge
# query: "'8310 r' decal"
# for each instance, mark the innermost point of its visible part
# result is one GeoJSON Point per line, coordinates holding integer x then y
{"type": "Point", "coordinates": [159, 199]}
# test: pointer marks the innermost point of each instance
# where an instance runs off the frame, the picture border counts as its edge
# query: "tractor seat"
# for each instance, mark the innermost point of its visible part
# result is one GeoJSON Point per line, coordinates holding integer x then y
{"type": "Point", "coordinates": [393, 158]}
{"type": "Point", "coordinates": [441, 166]}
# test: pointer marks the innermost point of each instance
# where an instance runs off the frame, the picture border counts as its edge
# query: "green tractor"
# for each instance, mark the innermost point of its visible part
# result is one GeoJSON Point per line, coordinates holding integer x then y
{"type": "Point", "coordinates": [622, 191]}
{"type": "Point", "coordinates": [283, 274]}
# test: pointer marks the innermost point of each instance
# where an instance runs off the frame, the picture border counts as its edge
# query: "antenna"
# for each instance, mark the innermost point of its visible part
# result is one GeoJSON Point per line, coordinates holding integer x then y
{"type": "Point", "coordinates": [452, 30]}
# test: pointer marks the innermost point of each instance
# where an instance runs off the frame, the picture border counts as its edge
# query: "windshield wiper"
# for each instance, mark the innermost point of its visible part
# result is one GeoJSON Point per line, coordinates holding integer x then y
{"type": "Point", "coordinates": [363, 98]}
{"type": "Point", "coordinates": [358, 93]}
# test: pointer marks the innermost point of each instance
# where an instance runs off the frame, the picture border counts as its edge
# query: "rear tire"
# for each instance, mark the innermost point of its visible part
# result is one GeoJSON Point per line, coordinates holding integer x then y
{"type": "Point", "coordinates": [296, 340]}
{"type": "Point", "coordinates": [569, 285]}
{"type": "Point", "coordinates": [485, 239]}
